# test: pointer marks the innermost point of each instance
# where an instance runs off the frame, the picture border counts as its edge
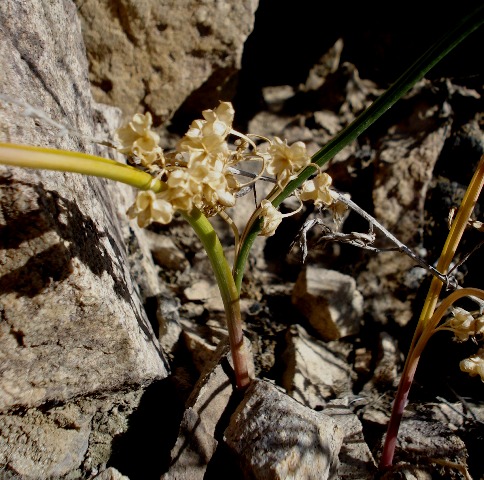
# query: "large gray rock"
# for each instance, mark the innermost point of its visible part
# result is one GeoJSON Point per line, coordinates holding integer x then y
{"type": "Point", "coordinates": [153, 54]}
{"type": "Point", "coordinates": [275, 437]}
{"type": "Point", "coordinates": [72, 321]}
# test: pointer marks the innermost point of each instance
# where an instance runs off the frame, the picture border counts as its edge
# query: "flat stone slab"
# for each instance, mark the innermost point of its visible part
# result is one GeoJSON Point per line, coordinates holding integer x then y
{"type": "Point", "coordinates": [314, 373]}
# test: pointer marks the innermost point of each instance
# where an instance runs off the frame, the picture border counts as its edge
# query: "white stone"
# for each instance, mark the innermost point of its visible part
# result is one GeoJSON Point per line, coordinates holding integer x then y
{"type": "Point", "coordinates": [202, 340]}
{"type": "Point", "coordinates": [330, 301]}
{"type": "Point", "coordinates": [205, 291]}
{"type": "Point", "coordinates": [165, 253]}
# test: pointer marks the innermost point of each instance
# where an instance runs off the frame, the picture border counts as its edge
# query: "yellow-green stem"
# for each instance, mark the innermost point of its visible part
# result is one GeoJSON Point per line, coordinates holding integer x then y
{"type": "Point", "coordinates": [75, 162]}
{"type": "Point", "coordinates": [450, 247]}
{"type": "Point", "coordinates": [230, 295]}
{"type": "Point", "coordinates": [428, 321]}
{"type": "Point", "coordinates": [64, 161]}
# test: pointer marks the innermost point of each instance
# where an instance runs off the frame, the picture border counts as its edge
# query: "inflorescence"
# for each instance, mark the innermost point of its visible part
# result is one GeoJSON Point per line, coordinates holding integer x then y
{"type": "Point", "coordinates": [200, 171]}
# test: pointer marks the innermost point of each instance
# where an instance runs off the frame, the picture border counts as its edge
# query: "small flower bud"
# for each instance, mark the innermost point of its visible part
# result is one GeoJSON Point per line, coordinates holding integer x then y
{"type": "Point", "coordinates": [462, 323]}
{"type": "Point", "coordinates": [271, 218]}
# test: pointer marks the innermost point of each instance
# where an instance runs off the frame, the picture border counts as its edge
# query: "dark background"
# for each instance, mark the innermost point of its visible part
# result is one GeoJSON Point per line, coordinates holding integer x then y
{"type": "Point", "coordinates": [382, 40]}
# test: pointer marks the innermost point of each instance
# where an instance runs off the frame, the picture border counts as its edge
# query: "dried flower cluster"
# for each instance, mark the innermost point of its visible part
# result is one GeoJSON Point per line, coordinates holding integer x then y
{"type": "Point", "coordinates": [140, 142]}
{"type": "Point", "coordinates": [467, 325]}
{"type": "Point", "coordinates": [200, 173]}
{"type": "Point", "coordinates": [474, 365]}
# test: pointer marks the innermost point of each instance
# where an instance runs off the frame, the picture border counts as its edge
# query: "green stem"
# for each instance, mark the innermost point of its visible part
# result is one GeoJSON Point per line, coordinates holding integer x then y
{"type": "Point", "coordinates": [396, 91]}
{"type": "Point", "coordinates": [75, 162]}
{"type": "Point", "coordinates": [230, 295]}
{"type": "Point", "coordinates": [27, 156]}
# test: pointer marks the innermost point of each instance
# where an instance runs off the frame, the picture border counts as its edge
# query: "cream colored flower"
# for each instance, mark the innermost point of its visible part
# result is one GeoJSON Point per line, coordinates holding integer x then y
{"type": "Point", "coordinates": [318, 190]}
{"type": "Point", "coordinates": [197, 173]}
{"type": "Point", "coordinates": [474, 365]}
{"type": "Point", "coordinates": [210, 189]}
{"type": "Point", "coordinates": [219, 121]}
{"type": "Point", "coordinates": [286, 160]}
{"type": "Point", "coordinates": [137, 138]}
{"type": "Point", "coordinates": [183, 189]}
{"type": "Point", "coordinates": [150, 207]}
{"type": "Point", "coordinates": [206, 139]}
{"type": "Point", "coordinates": [148, 151]}
{"type": "Point", "coordinates": [462, 324]}
{"type": "Point", "coordinates": [271, 218]}
{"type": "Point", "coordinates": [215, 190]}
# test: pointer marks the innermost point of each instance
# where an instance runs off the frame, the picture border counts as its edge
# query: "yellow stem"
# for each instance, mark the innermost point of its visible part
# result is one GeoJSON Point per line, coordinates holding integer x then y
{"type": "Point", "coordinates": [450, 246]}
{"type": "Point", "coordinates": [429, 320]}
{"type": "Point", "coordinates": [64, 161]}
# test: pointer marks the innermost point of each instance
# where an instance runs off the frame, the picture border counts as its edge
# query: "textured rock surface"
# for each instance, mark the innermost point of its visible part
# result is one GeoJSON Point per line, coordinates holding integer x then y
{"type": "Point", "coordinates": [387, 365]}
{"type": "Point", "coordinates": [154, 54]}
{"type": "Point", "coordinates": [314, 373]}
{"type": "Point", "coordinates": [74, 439]}
{"type": "Point", "coordinates": [36, 445]}
{"type": "Point", "coordinates": [72, 320]}
{"type": "Point", "coordinates": [206, 409]}
{"type": "Point", "coordinates": [355, 459]}
{"type": "Point", "coordinates": [403, 171]}
{"type": "Point", "coordinates": [276, 437]}
{"type": "Point", "coordinates": [50, 438]}
{"type": "Point", "coordinates": [330, 301]}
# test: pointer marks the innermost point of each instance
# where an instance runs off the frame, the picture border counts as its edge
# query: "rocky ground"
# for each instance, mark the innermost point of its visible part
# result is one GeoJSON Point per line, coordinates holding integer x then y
{"type": "Point", "coordinates": [332, 331]}
{"type": "Point", "coordinates": [327, 333]}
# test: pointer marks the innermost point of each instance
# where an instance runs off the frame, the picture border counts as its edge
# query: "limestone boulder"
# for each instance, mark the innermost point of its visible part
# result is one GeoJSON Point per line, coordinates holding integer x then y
{"type": "Point", "coordinates": [275, 437]}
{"type": "Point", "coordinates": [153, 55]}
{"type": "Point", "coordinates": [73, 322]}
